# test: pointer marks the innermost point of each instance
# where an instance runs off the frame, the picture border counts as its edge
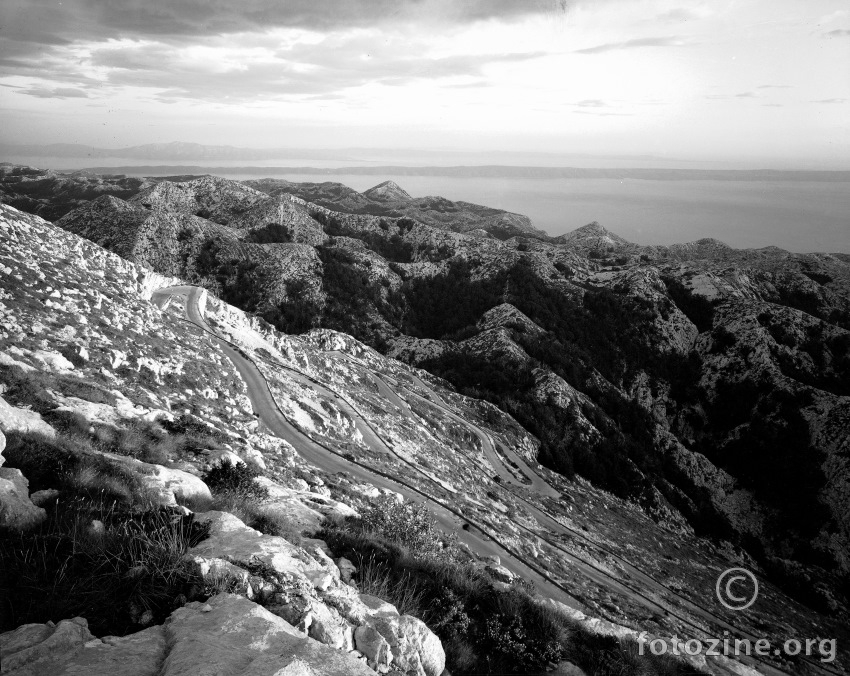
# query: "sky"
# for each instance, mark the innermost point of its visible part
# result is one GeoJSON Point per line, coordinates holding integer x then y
{"type": "Point", "coordinates": [765, 80]}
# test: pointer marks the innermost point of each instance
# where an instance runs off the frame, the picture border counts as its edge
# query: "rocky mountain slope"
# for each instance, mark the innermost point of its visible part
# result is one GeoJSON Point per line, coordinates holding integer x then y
{"type": "Point", "coordinates": [116, 411]}
{"type": "Point", "coordinates": [618, 357]}
{"type": "Point", "coordinates": [390, 199]}
{"type": "Point", "coordinates": [701, 386]}
{"type": "Point", "coordinates": [52, 194]}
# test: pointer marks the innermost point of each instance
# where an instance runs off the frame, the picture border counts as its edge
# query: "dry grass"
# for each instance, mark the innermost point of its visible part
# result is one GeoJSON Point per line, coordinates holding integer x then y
{"type": "Point", "coordinates": [101, 562]}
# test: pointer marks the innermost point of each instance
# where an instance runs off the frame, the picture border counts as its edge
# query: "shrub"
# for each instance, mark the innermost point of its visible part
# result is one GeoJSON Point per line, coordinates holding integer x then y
{"type": "Point", "coordinates": [505, 640]}
{"type": "Point", "coordinates": [270, 233]}
{"type": "Point", "coordinates": [407, 523]}
{"type": "Point", "coordinates": [238, 479]}
{"type": "Point", "coordinates": [378, 579]}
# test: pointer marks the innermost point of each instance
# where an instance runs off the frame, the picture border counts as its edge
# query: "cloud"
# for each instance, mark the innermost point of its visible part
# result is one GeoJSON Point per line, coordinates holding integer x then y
{"type": "Point", "coordinates": [772, 105]}
{"type": "Point", "coordinates": [671, 41]}
{"type": "Point", "coordinates": [740, 95]}
{"type": "Point", "coordinates": [679, 15]}
{"type": "Point", "coordinates": [215, 72]}
{"type": "Point", "coordinates": [602, 113]}
{"type": "Point", "coordinates": [46, 22]}
{"type": "Point", "coordinates": [770, 86]}
{"type": "Point", "coordinates": [838, 33]}
{"type": "Point", "coordinates": [830, 101]}
{"type": "Point", "coordinates": [55, 93]}
{"type": "Point", "coordinates": [591, 103]}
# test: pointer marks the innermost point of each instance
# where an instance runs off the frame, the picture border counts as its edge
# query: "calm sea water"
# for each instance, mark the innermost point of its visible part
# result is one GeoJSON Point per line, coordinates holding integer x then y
{"type": "Point", "coordinates": [801, 216]}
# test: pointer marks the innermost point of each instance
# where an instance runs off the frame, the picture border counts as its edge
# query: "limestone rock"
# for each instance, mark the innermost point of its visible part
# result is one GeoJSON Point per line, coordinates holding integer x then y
{"type": "Point", "coordinates": [17, 512]}
{"type": "Point", "coordinates": [174, 484]}
{"type": "Point", "coordinates": [305, 510]}
{"type": "Point", "coordinates": [378, 607]}
{"type": "Point", "coordinates": [346, 569]}
{"type": "Point", "coordinates": [374, 646]}
{"type": "Point", "coordinates": [500, 573]}
{"type": "Point", "coordinates": [231, 635]}
{"type": "Point", "coordinates": [53, 360]}
{"type": "Point", "coordinates": [327, 626]}
{"type": "Point", "coordinates": [416, 650]}
{"type": "Point", "coordinates": [227, 636]}
{"type": "Point", "coordinates": [34, 649]}
{"type": "Point", "coordinates": [169, 484]}
{"type": "Point", "coordinates": [231, 539]}
{"type": "Point", "coordinates": [44, 497]}
{"type": "Point", "coordinates": [14, 419]}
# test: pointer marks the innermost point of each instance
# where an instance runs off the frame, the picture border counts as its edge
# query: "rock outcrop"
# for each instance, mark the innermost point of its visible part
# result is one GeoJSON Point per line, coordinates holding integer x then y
{"type": "Point", "coordinates": [17, 512]}
{"type": "Point", "coordinates": [15, 419]}
{"type": "Point", "coordinates": [302, 585]}
{"type": "Point", "coordinates": [227, 635]}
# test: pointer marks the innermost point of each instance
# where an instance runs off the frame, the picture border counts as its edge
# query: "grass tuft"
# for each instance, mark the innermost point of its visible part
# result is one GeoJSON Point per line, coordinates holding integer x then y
{"type": "Point", "coordinates": [118, 568]}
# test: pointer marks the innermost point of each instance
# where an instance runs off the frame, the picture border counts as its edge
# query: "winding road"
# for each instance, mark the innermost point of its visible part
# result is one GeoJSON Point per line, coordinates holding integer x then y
{"type": "Point", "coordinates": [479, 538]}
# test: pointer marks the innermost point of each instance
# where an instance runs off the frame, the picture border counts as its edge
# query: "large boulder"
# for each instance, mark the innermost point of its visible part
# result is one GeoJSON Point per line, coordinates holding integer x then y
{"type": "Point", "coordinates": [17, 512]}
{"type": "Point", "coordinates": [37, 648]}
{"type": "Point", "coordinates": [227, 636]}
{"type": "Point", "coordinates": [14, 419]}
{"type": "Point", "coordinates": [53, 360]}
{"type": "Point", "coordinates": [231, 635]}
{"type": "Point", "coordinates": [175, 485]}
{"type": "Point", "coordinates": [327, 626]}
{"type": "Point", "coordinates": [415, 649]}
{"type": "Point", "coordinates": [374, 646]}
{"type": "Point", "coordinates": [69, 649]}
{"type": "Point", "coordinates": [305, 510]}
{"type": "Point", "coordinates": [167, 484]}
{"type": "Point", "coordinates": [231, 539]}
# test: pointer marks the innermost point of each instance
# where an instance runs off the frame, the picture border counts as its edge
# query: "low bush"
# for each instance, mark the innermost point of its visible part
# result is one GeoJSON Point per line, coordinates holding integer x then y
{"type": "Point", "coordinates": [238, 479]}
{"type": "Point", "coordinates": [407, 523]}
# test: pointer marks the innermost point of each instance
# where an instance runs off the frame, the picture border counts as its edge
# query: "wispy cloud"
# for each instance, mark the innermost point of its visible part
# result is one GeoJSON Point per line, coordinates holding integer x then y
{"type": "Point", "coordinates": [831, 101]}
{"type": "Point", "coordinates": [591, 103]}
{"type": "Point", "coordinates": [55, 93]}
{"type": "Point", "coordinates": [679, 15]}
{"type": "Point", "coordinates": [838, 33]}
{"type": "Point", "coordinates": [307, 69]}
{"type": "Point", "coordinates": [726, 97]}
{"type": "Point", "coordinates": [772, 86]}
{"type": "Point", "coordinates": [46, 22]}
{"type": "Point", "coordinates": [601, 113]}
{"type": "Point", "coordinates": [669, 41]}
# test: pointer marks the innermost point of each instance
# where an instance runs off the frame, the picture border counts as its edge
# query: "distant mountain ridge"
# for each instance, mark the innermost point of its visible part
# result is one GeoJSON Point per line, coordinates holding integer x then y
{"type": "Point", "coordinates": [177, 150]}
